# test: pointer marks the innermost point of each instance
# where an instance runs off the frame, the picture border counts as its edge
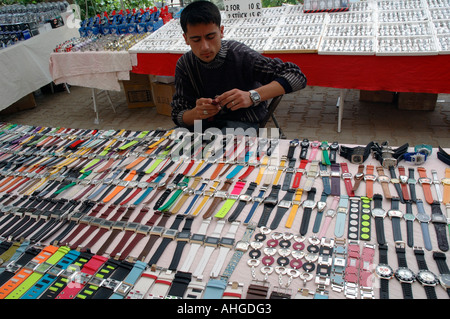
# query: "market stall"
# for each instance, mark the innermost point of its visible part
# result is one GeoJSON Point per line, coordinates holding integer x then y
{"type": "Point", "coordinates": [143, 215]}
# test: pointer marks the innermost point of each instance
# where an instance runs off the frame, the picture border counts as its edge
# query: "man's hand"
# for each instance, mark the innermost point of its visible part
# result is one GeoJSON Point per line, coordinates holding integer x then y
{"type": "Point", "coordinates": [235, 99]}
{"type": "Point", "coordinates": [205, 108]}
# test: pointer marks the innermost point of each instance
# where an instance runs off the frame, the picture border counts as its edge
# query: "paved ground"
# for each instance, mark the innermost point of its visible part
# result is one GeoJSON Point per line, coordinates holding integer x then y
{"type": "Point", "coordinates": [311, 113]}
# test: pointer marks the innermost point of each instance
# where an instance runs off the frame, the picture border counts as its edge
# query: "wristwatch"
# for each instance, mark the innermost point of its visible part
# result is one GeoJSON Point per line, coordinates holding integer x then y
{"type": "Point", "coordinates": [379, 213]}
{"type": "Point", "coordinates": [396, 182]}
{"type": "Point", "coordinates": [304, 148]}
{"type": "Point", "coordinates": [410, 218]}
{"type": "Point", "coordinates": [384, 181]}
{"type": "Point", "coordinates": [396, 215]}
{"type": "Point", "coordinates": [269, 204]}
{"type": "Point", "coordinates": [444, 278]}
{"type": "Point", "coordinates": [424, 220]}
{"type": "Point", "coordinates": [426, 184]}
{"type": "Point", "coordinates": [383, 271]}
{"type": "Point", "coordinates": [427, 278]}
{"type": "Point", "coordinates": [440, 222]}
{"type": "Point", "coordinates": [412, 184]}
{"type": "Point", "coordinates": [255, 97]}
{"type": "Point", "coordinates": [325, 156]}
{"type": "Point", "coordinates": [283, 206]}
{"type": "Point", "coordinates": [403, 273]}
{"type": "Point", "coordinates": [308, 205]}
{"type": "Point", "coordinates": [334, 147]}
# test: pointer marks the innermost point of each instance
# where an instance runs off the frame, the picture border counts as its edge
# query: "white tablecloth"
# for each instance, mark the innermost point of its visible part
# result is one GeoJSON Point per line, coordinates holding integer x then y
{"type": "Point", "coordinates": [24, 67]}
{"type": "Point", "coordinates": [100, 70]}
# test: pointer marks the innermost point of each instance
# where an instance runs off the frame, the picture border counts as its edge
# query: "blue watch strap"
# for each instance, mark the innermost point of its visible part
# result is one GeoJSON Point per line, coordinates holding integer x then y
{"type": "Point", "coordinates": [45, 282]}
{"type": "Point", "coordinates": [426, 236]}
{"type": "Point", "coordinates": [214, 289]}
{"type": "Point", "coordinates": [130, 280]}
{"type": "Point", "coordinates": [341, 216]}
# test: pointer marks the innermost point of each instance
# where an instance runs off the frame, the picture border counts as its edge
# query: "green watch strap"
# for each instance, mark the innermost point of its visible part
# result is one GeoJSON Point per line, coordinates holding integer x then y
{"type": "Point", "coordinates": [124, 147]}
{"type": "Point", "coordinates": [230, 201]}
{"type": "Point", "coordinates": [86, 174]}
{"type": "Point", "coordinates": [94, 161]}
{"type": "Point", "coordinates": [10, 252]}
{"type": "Point", "coordinates": [173, 198]}
{"type": "Point", "coordinates": [325, 156]}
{"type": "Point", "coordinates": [157, 162]}
{"type": "Point", "coordinates": [92, 286]}
{"type": "Point", "coordinates": [38, 273]}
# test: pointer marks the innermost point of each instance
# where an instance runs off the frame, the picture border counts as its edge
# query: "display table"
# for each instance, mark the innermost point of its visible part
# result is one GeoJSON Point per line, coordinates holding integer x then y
{"type": "Point", "coordinates": [101, 70]}
{"type": "Point", "coordinates": [24, 66]}
{"type": "Point", "coordinates": [105, 176]}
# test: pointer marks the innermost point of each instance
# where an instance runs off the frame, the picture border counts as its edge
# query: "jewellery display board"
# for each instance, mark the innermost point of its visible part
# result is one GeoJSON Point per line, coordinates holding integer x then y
{"type": "Point", "coordinates": [137, 215]}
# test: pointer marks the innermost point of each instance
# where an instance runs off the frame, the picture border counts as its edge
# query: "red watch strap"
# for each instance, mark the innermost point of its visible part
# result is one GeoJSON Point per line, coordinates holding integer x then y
{"type": "Point", "coordinates": [299, 173]}
{"type": "Point", "coordinates": [347, 179]}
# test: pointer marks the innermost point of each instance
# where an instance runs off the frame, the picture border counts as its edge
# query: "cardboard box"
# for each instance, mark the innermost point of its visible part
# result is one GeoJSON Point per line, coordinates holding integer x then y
{"type": "Point", "coordinates": [138, 91]}
{"type": "Point", "coordinates": [25, 103]}
{"type": "Point", "coordinates": [377, 96]}
{"type": "Point", "coordinates": [417, 101]}
{"type": "Point", "coordinates": [163, 97]}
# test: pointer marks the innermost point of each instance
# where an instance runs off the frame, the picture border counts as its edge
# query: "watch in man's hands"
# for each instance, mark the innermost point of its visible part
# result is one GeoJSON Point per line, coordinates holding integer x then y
{"type": "Point", "coordinates": [255, 97]}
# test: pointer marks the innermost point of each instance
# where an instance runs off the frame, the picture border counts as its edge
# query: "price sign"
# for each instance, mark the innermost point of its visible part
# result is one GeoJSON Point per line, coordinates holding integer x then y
{"type": "Point", "coordinates": [242, 8]}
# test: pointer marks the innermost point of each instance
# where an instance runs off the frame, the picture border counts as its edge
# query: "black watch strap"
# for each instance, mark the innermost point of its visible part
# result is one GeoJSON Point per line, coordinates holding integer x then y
{"type": "Point", "coordinates": [395, 220]}
{"type": "Point", "coordinates": [269, 205]}
{"type": "Point", "coordinates": [412, 184]}
{"type": "Point", "coordinates": [179, 285]}
{"type": "Point", "coordinates": [241, 204]}
{"type": "Point", "coordinates": [289, 173]}
{"type": "Point", "coordinates": [402, 262]}
{"type": "Point", "coordinates": [384, 283]}
{"type": "Point", "coordinates": [430, 291]}
{"type": "Point", "coordinates": [379, 229]}
{"type": "Point", "coordinates": [440, 225]}
{"type": "Point", "coordinates": [181, 243]}
{"type": "Point", "coordinates": [281, 210]}
{"type": "Point", "coordinates": [397, 184]}
{"type": "Point", "coordinates": [307, 213]}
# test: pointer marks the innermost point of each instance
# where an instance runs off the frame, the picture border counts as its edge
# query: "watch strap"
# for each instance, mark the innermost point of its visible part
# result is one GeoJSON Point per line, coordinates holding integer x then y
{"type": "Point", "coordinates": [341, 216]}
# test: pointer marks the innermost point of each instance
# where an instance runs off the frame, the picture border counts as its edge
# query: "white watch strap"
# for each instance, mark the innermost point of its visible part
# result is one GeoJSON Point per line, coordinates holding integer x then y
{"type": "Point", "coordinates": [195, 246]}
{"type": "Point", "coordinates": [144, 283]}
{"type": "Point", "coordinates": [313, 169]}
{"type": "Point", "coordinates": [223, 251]}
{"type": "Point", "coordinates": [208, 251]}
{"type": "Point", "coordinates": [195, 290]}
{"type": "Point", "coordinates": [161, 286]}
{"type": "Point", "coordinates": [269, 173]}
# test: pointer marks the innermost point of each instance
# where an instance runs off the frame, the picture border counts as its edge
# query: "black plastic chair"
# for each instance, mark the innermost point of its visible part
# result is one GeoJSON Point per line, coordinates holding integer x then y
{"type": "Point", "coordinates": [270, 115]}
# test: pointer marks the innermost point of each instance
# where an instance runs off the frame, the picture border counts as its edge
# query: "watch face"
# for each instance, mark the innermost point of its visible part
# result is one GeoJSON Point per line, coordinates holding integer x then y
{"type": "Point", "coordinates": [445, 280]}
{"type": "Point", "coordinates": [384, 271]}
{"type": "Point", "coordinates": [404, 274]}
{"type": "Point", "coordinates": [378, 212]}
{"type": "Point", "coordinates": [427, 278]}
{"type": "Point", "coordinates": [383, 179]}
{"type": "Point", "coordinates": [423, 218]}
{"type": "Point", "coordinates": [309, 203]}
{"type": "Point", "coordinates": [409, 217]}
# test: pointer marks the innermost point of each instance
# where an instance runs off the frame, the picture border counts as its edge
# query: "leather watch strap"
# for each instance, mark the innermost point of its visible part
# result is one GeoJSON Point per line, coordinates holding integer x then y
{"type": "Point", "coordinates": [426, 184]}
{"type": "Point", "coordinates": [369, 179]}
{"type": "Point", "coordinates": [347, 177]}
{"type": "Point", "coordinates": [219, 196]}
{"type": "Point", "coordinates": [446, 182]}
{"type": "Point", "coordinates": [396, 182]}
{"type": "Point", "coordinates": [424, 220]}
{"type": "Point", "coordinates": [335, 178]}
{"type": "Point", "coordinates": [440, 225]}
{"type": "Point", "coordinates": [383, 179]}
{"type": "Point", "coordinates": [403, 182]}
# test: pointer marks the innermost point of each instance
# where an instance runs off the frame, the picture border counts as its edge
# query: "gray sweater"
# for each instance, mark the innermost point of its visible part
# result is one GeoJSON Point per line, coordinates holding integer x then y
{"type": "Point", "coordinates": [235, 66]}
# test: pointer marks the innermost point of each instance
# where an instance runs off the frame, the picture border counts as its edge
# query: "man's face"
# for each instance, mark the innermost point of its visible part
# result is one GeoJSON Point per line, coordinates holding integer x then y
{"type": "Point", "coordinates": [204, 40]}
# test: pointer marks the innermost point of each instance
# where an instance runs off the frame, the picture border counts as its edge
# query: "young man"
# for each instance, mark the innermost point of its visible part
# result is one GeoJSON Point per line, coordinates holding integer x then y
{"type": "Point", "coordinates": [225, 84]}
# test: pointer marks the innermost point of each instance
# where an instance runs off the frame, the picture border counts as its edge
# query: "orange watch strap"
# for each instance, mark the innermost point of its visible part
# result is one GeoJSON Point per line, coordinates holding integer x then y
{"type": "Point", "coordinates": [426, 186]}
{"type": "Point", "coordinates": [24, 273]}
{"type": "Point", "coordinates": [217, 170]}
{"type": "Point", "coordinates": [118, 188]}
{"type": "Point", "coordinates": [446, 183]}
{"type": "Point", "coordinates": [369, 182]}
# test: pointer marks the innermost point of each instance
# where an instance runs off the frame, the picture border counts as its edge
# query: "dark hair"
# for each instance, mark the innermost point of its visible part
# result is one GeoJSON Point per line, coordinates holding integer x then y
{"type": "Point", "coordinates": [200, 12]}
